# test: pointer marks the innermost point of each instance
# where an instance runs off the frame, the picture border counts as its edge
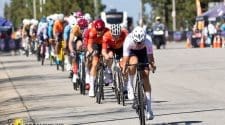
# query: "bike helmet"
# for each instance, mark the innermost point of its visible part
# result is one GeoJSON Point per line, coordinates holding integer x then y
{"type": "Point", "coordinates": [78, 14]}
{"type": "Point", "coordinates": [82, 23]}
{"type": "Point", "coordinates": [158, 18]}
{"type": "Point", "coordinates": [115, 29]}
{"type": "Point", "coordinates": [99, 25]}
{"type": "Point", "coordinates": [87, 16]}
{"type": "Point", "coordinates": [61, 16]}
{"type": "Point", "coordinates": [138, 34]}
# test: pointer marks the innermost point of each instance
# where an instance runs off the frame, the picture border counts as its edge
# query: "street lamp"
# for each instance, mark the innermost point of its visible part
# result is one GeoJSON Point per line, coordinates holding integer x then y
{"type": "Point", "coordinates": [174, 14]}
{"type": "Point", "coordinates": [34, 9]}
{"type": "Point", "coordinates": [96, 9]}
{"type": "Point", "coordinates": [141, 13]}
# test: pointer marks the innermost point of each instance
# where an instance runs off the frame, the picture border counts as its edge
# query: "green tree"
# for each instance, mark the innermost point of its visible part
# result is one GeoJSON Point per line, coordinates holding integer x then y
{"type": "Point", "coordinates": [185, 11]}
{"type": "Point", "coordinates": [17, 10]}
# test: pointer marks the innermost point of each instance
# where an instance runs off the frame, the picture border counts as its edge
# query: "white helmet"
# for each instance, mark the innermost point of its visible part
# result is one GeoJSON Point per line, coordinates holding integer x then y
{"type": "Point", "coordinates": [115, 29]}
{"type": "Point", "coordinates": [87, 16]}
{"type": "Point", "coordinates": [60, 16]}
{"type": "Point", "coordinates": [34, 22]}
{"type": "Point", "coordinates": [26, 21]}
{"type": "Point", "coordinates": [138, 34]}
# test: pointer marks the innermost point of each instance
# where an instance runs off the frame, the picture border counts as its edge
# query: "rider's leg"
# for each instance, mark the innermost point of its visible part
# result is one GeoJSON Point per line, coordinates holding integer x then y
{"type": "Point", "coordinates": [131, 73]}
{"type": "Point", "coordinates": [93, 75]}
{"type": "Point", "coordinates": [147, 89]}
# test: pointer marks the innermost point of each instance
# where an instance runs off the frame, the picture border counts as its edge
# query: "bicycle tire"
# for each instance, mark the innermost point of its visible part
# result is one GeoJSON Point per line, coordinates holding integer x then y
{"type": "Point", "coordinates": [141, 103]}
{"type": "Point", "coordinates": [42, 60]}
{"type": "Point", "coordinates": [83, 77]}
{"type": "Point", "coordinates": [115, 87]}
{"type": "Point", "coordinates": [121, 85]}
{"type": "Point", "coordinates": [99, 92]}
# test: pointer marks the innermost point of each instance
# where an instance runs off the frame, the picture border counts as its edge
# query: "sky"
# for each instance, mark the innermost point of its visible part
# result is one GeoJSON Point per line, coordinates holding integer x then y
{"type": "Point", "coordinates": [2, 7]}
{"type": "Point", "coordinates": [130, 6]}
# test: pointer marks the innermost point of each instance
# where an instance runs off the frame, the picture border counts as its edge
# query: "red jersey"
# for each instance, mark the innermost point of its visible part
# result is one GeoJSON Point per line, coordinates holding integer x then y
{"type": "Point", "coordinates": [93, 38]}
{"type": "Point", "coordinates": [110, 42]}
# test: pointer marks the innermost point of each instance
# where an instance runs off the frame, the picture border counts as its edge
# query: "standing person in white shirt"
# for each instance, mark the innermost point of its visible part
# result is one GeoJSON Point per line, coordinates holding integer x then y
{"type": "Point", "coordinates": [137, 48]}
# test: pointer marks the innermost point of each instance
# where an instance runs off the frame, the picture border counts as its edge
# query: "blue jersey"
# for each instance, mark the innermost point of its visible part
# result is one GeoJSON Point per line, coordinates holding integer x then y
{"type": "Point", "coordinates": [50, 28]}
{"type": "Point", "coordinates": [66, 32]}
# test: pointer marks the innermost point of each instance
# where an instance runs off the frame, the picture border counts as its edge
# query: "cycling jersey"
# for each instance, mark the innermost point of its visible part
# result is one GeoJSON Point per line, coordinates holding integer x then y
{"type": "Point", "coordinates": [94, 38]}
{"type": "Point", "coordinates": [75, 30]}
{"type": "Point", "coordinates": [110, 42]}
{"type": "Point", "coordinates": [42, 31]}
{"type": "Point", "coordinates": [66, 32]}
{"type": "Point", "coordinates": [129, 45]}
{"type": "Point", "coordinates": [50, 28]}
{"type": "Point", "coordinates": [85, 37]}
{"type": "Point", "coordinates": [58, 27]}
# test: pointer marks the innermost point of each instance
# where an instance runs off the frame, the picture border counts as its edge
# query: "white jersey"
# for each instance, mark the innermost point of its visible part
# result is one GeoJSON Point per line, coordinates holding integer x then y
{"type": "Point", "coordinates": [129, 45]}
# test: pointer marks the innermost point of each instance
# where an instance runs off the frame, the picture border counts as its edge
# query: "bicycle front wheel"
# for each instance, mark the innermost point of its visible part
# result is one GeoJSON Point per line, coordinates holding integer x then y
{"type": "Point", "coordinates": [141, 103]}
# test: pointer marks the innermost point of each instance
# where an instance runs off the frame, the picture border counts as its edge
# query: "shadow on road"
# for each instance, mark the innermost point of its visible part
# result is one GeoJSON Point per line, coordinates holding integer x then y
{"type": "Point", "coordinates": [178, 123]}
{"type": "Point", "coordinates": [171, 123]}
{"type": "Point", "coordinates": [18, 67]}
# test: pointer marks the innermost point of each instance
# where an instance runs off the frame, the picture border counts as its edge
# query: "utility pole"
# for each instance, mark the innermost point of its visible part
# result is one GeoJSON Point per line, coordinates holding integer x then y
{"type": "Point", "coordinates": [96, 9]}
{"type": "Point", "coordinates": [141, 13]}
{"type": "Point", "coordinates": [34, 9]}
{"type": "Point", "coordinates": [40, 1]}
{"type": "Point", "coordinates": [174, 14]}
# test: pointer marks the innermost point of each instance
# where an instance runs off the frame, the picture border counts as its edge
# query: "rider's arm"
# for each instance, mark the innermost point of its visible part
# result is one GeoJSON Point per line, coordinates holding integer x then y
{"type": "Point", "coordinates": [104, 47]}
{"type": "Point", "coordinates": [148, 43]}
{"type": "Point", "coordinates": [126, 51]}
{"type": "Point", "coordinates": [151, 59]}
{"type": "Point", "coordinates": [71, 37]}
{"type": "Point", "coordinates": [90, 41]}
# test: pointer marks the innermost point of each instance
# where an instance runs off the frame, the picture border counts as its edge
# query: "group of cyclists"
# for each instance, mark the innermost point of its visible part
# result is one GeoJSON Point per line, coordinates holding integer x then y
{"type": "Point", "coordinates": [78, 32]}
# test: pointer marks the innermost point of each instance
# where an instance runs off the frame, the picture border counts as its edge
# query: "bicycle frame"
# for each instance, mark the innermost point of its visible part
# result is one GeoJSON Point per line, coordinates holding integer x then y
{"type": "Point", "coordinates": [99, 89]}
{"type": "Point", "coordinates": [81, 69]}
{"type": "Point", "coordinates": [118, 81]}
{"type": "Point", "coordinates": [139, 94]}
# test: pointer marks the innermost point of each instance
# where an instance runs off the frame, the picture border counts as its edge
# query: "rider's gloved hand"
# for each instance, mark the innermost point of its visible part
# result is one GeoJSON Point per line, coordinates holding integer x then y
{"type": "Point", "coordinates": [153, 67]}
{"type": "Point", "coordinates": [72, 54]}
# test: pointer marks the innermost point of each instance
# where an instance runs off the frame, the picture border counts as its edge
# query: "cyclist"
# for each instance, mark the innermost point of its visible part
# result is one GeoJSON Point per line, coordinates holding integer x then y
{"type": "Point", "coordinates": [75, 42]}
{"type": "Point", "coordinates": [137, 48]}
{"type": "Point", "coordinates": [51, 20]}
{"type": "Point", "coordinates": [25, 33]}
{"type": "Point", "coordinates": [113, 43]}
{"type": "Point", "coordinates": [58, 31]}
{"type": "Point", "coordinates": [159, 33]}
{"type": "Point", "coordinates": [94, 46]}
{"type": "Point", "coordinates": [42, 32]}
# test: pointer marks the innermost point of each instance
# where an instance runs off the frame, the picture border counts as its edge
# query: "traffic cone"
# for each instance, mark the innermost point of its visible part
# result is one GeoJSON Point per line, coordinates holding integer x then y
{"type": "Point", "coordinates": [202, 43]}
{"type": "Point", "coordinates": [214, 42]}
{"type": "Point", "coordinates": [188, 43]}
{"type": "Point", "coordinates": [218, 43]}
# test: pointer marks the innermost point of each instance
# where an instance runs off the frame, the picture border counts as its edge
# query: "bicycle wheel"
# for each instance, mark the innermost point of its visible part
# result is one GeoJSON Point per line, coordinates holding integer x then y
{"type": "Point", "coordinates": [121, 86]}
{"type": "Point", "coordinates": [141, 104]}
{"type": "Point", "coordinates": [99, 85]}
{"type": "Point", "coordinates": [62, 59]}
{"type": "Point", "coordinates": [42, 54]}
{"type": "Point", "coordinates": [82, 77]}
{"type": "Point", "coordinates": [42, 60]}
{"type": "Point", "coordinates": [115, 81]}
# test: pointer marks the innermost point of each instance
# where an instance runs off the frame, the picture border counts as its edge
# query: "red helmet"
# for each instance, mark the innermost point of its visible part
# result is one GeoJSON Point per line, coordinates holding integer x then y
{"type": "Point", "coordinates": [99, 25]}
{"type": "Point", "coordinates": [82, 23]}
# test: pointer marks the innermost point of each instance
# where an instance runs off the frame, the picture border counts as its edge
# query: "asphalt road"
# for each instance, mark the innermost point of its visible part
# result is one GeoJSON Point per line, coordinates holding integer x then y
{"type": "Point", "coordinates": [188, 89]}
